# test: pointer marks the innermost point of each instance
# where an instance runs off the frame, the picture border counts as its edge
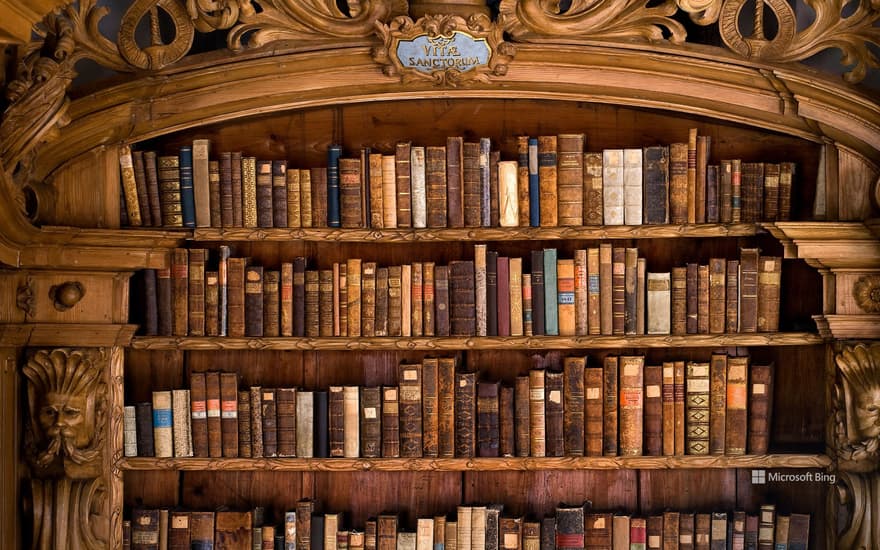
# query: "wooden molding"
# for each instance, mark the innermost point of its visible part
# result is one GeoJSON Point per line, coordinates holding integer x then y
{"type": "Point", "coordinates": [19, 18]}
{"type": "Point", "coordinates": [59, 334]}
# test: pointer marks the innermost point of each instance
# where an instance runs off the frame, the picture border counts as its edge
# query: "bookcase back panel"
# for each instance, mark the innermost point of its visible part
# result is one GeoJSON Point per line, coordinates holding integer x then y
{"type": "Point", "coordinates": [207, 490]}
{"type": "Point", "coordinates": [703, 490]}
{"type": "Point", "coordinates": [152, 489]}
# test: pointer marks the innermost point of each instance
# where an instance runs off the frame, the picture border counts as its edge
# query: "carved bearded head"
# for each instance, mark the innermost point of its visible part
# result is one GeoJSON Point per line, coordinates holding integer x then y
{"type": "Point", "coordinates": [860, 401]}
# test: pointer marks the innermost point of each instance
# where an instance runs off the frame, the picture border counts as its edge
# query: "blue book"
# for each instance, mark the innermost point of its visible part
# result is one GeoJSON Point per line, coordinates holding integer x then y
{"type": "Point", "coordinates": [187, 193]}
{"type": "Point", "coordinates": [551, 305]}
{"type": "Point", "coordinates": [534, 186]}
{"type": "Point", "coordinates": [333, 216]}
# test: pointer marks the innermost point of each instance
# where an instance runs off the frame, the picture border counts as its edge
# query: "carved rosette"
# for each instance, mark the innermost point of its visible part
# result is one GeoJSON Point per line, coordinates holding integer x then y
{"type": "Point", "coordinates": [446, 50]}
{"type": "Point", "coordinates": [866, 292]}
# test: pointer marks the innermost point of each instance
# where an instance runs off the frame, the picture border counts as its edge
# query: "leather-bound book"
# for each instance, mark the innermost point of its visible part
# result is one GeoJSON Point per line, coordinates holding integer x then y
{"type": "Point", "coordinates": [381, 302]}
{"type": "Point", "coordinates": [374, 186]}
{"type": "Point", "coordinates": [229, 414]}
{"type": "Point", "coordinates": [343, 298]}
{"type": "Point", "coordinates": [478, 527]}
{"type": "Point", "coordinates": [507, 415]}
{"type": "Point", "coordinates": [464, 535]}
{"type": "Point", "coordinates": [285, 301]}
{"type": "Point", "coordinates": [304, 511]}
{"type": "Point", "coordinates": [253, 301]}
{"type": "Point", "coordinates": [570, 176]}
{"type": "Point", "coordinates": [769, 281]}
{"type": "Point", "coordinates": [593, 290]}
{"type": "Point", "coordinates": [632, 186]}
{"type": "Point", "coordinates": [462, 319]}
{"type": "Point", "coordinates": [631, 404]}
{"type": "Point", "coordinates": [368, 299]}
{"type": "Point", "coordinates": [659, 296]}
{"type": "Point", "coordinates": [390, 422]}
{"type": "Point", "coordinates": [151, 181]}
{"type": "Point", "coordinates": [573, 405]}
{"type": "Point", "coordinates": [798, 531]}
{"type": "Point", "coordinates": [510, 531]}
{"type": "Point", "coordinates": [271, 303]}
{"type": "Point", "coordinates": [187, 191]}
{"type": "Point", "coordinates": [548, 533]}
{"type": "Point", "coordinates": [654, 532]}
{"type": "Point", "coordinates": [213, 400]}
{"type": "Point", "coordinates": [180, 291]}
{"type": "Point", "coordinates": [249, 199]}
{"type": "Point", "coordinates": [491, 288]}
{"type": "Point", "coordinates": [196, 291]}
{"type": "Point", "coordinates": [725, 191]}
{"type": "Point", "coordinates": [299, 296]}
{"type": "Point", "coordinates": [610, 391]}
{"type": "Point", "coordinates": [389, 192]}
{"type": "Point", "coordinates": [285, 409]}
{"type": "Point", "coordinates": [750, 541]}
{"type": "Point", "coordinates": [786, 177]}
{"type": "Point", "coordinates": [403, 183]}
{"type": "Point", "coordinates": [537, 418]}
{"type": "Point", "coordinates": [236, 189]}
{"type": "Point", "coordinates": [198, 414]}
{"type": "Point", "coordinates": [446, 407]}
{"type": "Point", "coordinates": [435, 184]}
{"type": "Point", "coordinates": [441, 300]}
{"type": "Point", "coordinates": [538, 324]}
{"type": "Point", "coordinates": [270, 422]}
{"type": "Point", "coordinates": [656, 184]}
{"type": "Point", "coordinates": [719, 531]}
{"type": "Point", "coordinates": [522, 415]}
{"type": "Point", "coordinates": [731, 308]}
{"type": "Point", "coordinates": [671, 531]}
{"type": "Point", "coordinates": [439, 533]}
{"type": "Point", "coordinates": [702, 531]}
{"type": "Point", "coordinates": [670, 414]}
{"type": "Point", "coordinates": [766, 527]}
{"type": "Point", "coordinates": [697, 407]}
{"type": "Point", "coordinates": [429, 323]}
{"type": "Point", "coordinates": [325, 302]}
{"type": "Point", "coordinates": [201, 182]}
{"type": "Point", "coordinates": [593, 194]}
{"type": "Point", "coordinates": [305, 422]}
{"type": "Point", "coordinates": [630, 296]}
{"type": "Point", "coordinates": [353, 295]}
{"type": "Point", "coordinates": [312, 303]}
{"type": "Point", "coordinates": [417, 297]}
{"type": "Point", "coordinates": [618, 291]}
{"type": "Point", "coordinates": [702, 299]}
{"type": "Point", "coordinates": [430, 407]}
{"type": "Point", "coordinates": [569, 527]}
{"type": "Point", "coordinates": [565, 296]}
{"type": "Point", "coordinates": [531, 535]}
{"type": "Point", "coordinates": [781, 533]}
{"type": "Point", "coordinates": [178, 530]}
{"type": "Point", "coordinates": [488, 419]}
{"type": "Point", "coordinates": [771, 192]}
{"type": "Point", "coordinates": [547, 180]}
{"type": "Point", "coordinates": [129, 433]}
{"type": "Point", "coordinates": [612, 186]}
{"type": "Point", "coordinates": [736, 199]}
{"type": "Point", "coordinates": [371, 421]}
{"type": "Point", "coordinates": [593, 410]}
{"type": "Point", "coordinates": [752, 191]}
{"type": "Point", "coordinates": [486, 184]}
{"type": "Point", "coordinates": [692, 298]}
{"type": "Point", "coordinates": [144, 529]}
{"type": "Point", "coordinates": [212, 303]}
{"type": "Point", "coordinates": [455, 181]}
{"type": "Point", "coordinates": [685, 531]}
{"type": "Point", "coordinates": [702, 162]}
{"type": "Point", "coordinates": [678, 183]}
{"type": "Point", "coordinates": [581, 293]}
{"type": "Point", "coordinates": [551, 289]}
{"type": "Point", "coordinates": [164, 302]}
{"type": "Point", "coordinates": [678, 305]}
{"type": "Point", "coordinates": [171, 205]}
{"type": "Point", "coordinates": [370, 534]}
{"type": "Point", "coordinates": [717, 403]}
{"type": "Point", "coordinates": [471, 183]}
{"type": "Point", "coordinates": [737, 531]}
{"type": "Point", "coordinates": [508, 193]}
{"type": "Point", "coordinates": [350, 192]}
{"type": "Point", "coordinates": [387, 532]}
{"type": "Point", "coordinates": [641, 298]}
{"type": "Point", "coordinates": [597, 531]}
{"type": "Point", "coordinates": [279, 193]}
{"type": "Point", "coordinates": [337, 422]}
{"type": "Point", "coordinates": [245, 449]}
{"type": "Point", "coordinates": [425, 534]}
{"type": "Point", "coordinates": [717, 295]}
{"type": "Point", "coordinates": [654, 410]}
{"type": "Point", "coordinates": [334, 152]}
{"type": "Point", "coordinates": [465, 414]}
{"type": "Point", "coordinates": [748, 290]}
{"type": "Point", "coordinates": [356, 540]}
{"type": "Point", "coordinates": [736, 419]}
{"type": "Point", "coordinates": [201, 530]}
{"type": "Point", "coordinates": [679, 406]}
{"type": "Point", "coordinates": [522, 180]}
{"type": "Point", "coordinates": [760, 408]}
{"type": "Point", "coordinates": [712, 194]}
{"type": "Point", "coordinates": [134, 187]}
{"type": "Point", "coordinates": [620, 531]}
{"type": "Point", "coordinates": [638, 533]}
{"type": "Point", "coordinates": [410, 384]}
{"type": "Point", "coordinates": [313, 197]}
{"type": "Point", "coordinates": [351, 411]}
{"type": "Point", "coordinates": [395, 301]}
{"type": "Point", "coordinates": [233, 530]}
{"type": "Point", "coordinates": [320, 428]}
{"type": "Point", "coordinates": [294, 200]}
{"type": "Point", "coordinates": [502, 266]}
{"type": "Point", "coordinates": [527, 309]}
{"type": "Point", "coordinates": [554, 386]}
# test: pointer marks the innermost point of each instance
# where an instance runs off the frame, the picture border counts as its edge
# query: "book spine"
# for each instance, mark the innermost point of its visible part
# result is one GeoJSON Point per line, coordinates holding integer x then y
{"type": "Point", "coordinates": [613, 186]}
{"type": "Point", "coordinates": [656, 184]}
{"type": "Point", "coordinates": [410, 402]}
{"type": "Point", "coordinates": [553, 413]}
{"type": "Point", "coordinates": [445, 407]}
{"type": "Point", "coordinates": [631, 405]}
{"type": "Point", "coordinates": [515, 296]}
{"type": "Point", "coordinates": [610, 409]}
{"type": "Point", "coordinates": [465, 414]}
{"type": "Point", "coordinates": [455, 181]}
{"type": "Point", "coordinates": [678, 183]}
{"type": "Point", "coordinates": [693, 295]}
{"type": "Point", "coordinates": [486, 194]}
{"type": "Point", "coordinates": [169, 191]}
{"type": "Point", "coordinates": [565, 297]}
{"type": "Point", "coordinates": [250, 208]}
{"type": "Point", "coordinates": [294, 199]}
{"type": "Point", "coordinates": [692, 176]}
{"type": "Point", "coordinates": [472, 204]}
{"type": "Point", "coordinates": [180, 291]}
{"type": "Point", "coordinates": [581, 293]}
{"type": "Point", "coordinates": [787, 172]}
{"type": "Point", "coordinates": [760, 408]}
{"type": "Point", "coordinates": [771, 192]}
{"type": "Point", "coordinates": [537, 419]}
{"type": "Point", "coordinates": [769, 281]}
{"type": "Point", "coordinates": [212, 303]}
{"type": "Point", "coordinates": [336, 421]}
{"type": "Point", "coordinates": [717, 403]}
{"type": "Point", "coordinates": [538, 325]}
{"type": "Point", "coordinates": [528, 315]}
{"type": "Point", "coordinates": [736, 191]}
{"type": "Point", "coordinates": [679, 406]}
{"type": "Point", "coordinates": [659, 298]}
{"type": "Point", "coordinates": [700, 191]}
{"type": "Point", "coordinates": [712, 194]}
{"type": "Point", "coordinates": [618, 291]}
{"type": "Point", "coordinates": [569, 528]}
{"type": "Point", "coordinates": [271, 303]}
{"type": "Point", "coordinates": [229, 414]}
{"type": "Point", "coordinates": [436, 186]}
{"type": "Point", "coordinates": [632, 186]}
{"type": "Point", "coordinates": [269, 416]}
{"type": "Point", "coordinates": [488, 419]}
{"type": "Point", "coordinates": [606, 285]}
{"type": "Point", "coordinates": [731, 310]}
{"type": "Point", "coordinates": [573, 407]}
{"type": "Point", "coordinates": [129, 431]}
{"type": "Point", "coordinates": [570, 177]}
{"type": "Point", "coordinates": [593, 407]}
{"type": "Point", "coordinates": [253, 301]}
{"type": "Point", "coordinates": [285, 409]}
{"type": "Point", "coordinates": [163, 442]}
{"type": "Point", "coordinates": [670, 415]}
{"type": "Point", "coordinates": [697, 408]}
{"type": "Point", "coordinates": [151, 174]}
{"type": "Point", "coordinates": [371, 422]}
{"type": "Point", "coordinates": [508, 193]}
{"type": "Point", "coordinates": [548, 177]}
{"type": "Point", "coordinates": [522, 180]}
{"type": "Point", "coordinates": [402, 173]}
{"type": "Point", "coordinates": [151, 302]}
{"type": "Point", "coordinates": [130, 187]}
{"type": "Point", "coordinates": [201, 182]}
{"type": "Point", "coordinates": [244, 424]}
{"type": "Point", "coordinates": [279, 193]}
{"type": "Point", "coordinates": [353, 272]}
{"type": "Point", "coordinates": [653, 410]}
{"type": "Point", "coordinates": [187, 194]}
{"type": "Point", "coordinates": [351, 421]}
{"type": "Point", "coordinates": [717, 295]}
{"type": "Point", "coordinates": [334, 219]}
{"type": "Point", "coordinates": [703, 299]}
{"type": "Point", "coordinates": [630, 297]}
{"type": "Point", "coordinates": [534, 184]}
{"type": "Point", "coordinates": [430, 410]}
{"type": "Point", "coordinates": [350, 192]}
{"type": "Point", "coordinates": [736, 428]}
{"type": "Point", "coordinates": [390, 423]}
{"type": "Point", "coordinates": [725, 191]}
{"type": "Point", "coordinates": [748, 290]}
{"type": "Point", "coordinates": [503, 296]}
{"type": "Point", "coordinates": [462, 298]}
{"type": "Point", "coordinates": [305, 426]}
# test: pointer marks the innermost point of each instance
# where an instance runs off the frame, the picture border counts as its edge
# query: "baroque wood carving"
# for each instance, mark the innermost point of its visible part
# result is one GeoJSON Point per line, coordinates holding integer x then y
{"type": "Point", "coordinates": [856, 438]}
{"type": "Point", "coordinates": [64, 447]}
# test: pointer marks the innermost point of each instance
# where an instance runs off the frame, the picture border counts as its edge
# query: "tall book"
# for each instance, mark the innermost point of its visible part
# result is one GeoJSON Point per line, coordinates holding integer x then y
{"type": "Point", "coordinates": [760, 408]}
{"type": "Point", "coordinates": [787, 172]}
{"type": "Point", "coordinates": [271, 303]}
{"type": "Point", "coordinates": [736, 417]}
{"type": "Point", "coordinates": [390, 422]}
{"type": "Point", "coordinates": [381, 306]}
{"type": "Point", "coordinates": [631, 404]}
{"type": "Point", "coordinates": [491, 291]}
{"type": "Point", "coordinates": [465, 414]}
{"type": "Point", "coordinates": [351, 421]}
{"type": "Point", "coordinates": [389, 192]}
{"type": "Point", "coordinates": [180, 291]}
{"type": "Point", "coordinates": [305, 403]}
{"type": "Point", "coordinates": [537, 417]}
{"type": "Point", "coordinates": [655, 188]}
{"type": "Point", "coordinates": [565, 295]}
{"type": "Point", "coordinates": [245, 446]}
{"type": "Point", "coordinates": [771, 191]}
{"type": "Point", "coordinates": [441, 300]}
{"type": "Point", "coordinates": [717, 403]}
{"type": "Point", "coordinates": [446, 407]}
{"type": "Point", "coordinates": [430, 407]}
{"type": "Point", "coordinates": [678, 300]}
{"type": "Point", "coordinates": [553, 413]}
{"type": "Point", "coordinates": [593, 194]}
{"type": "Point", "coordinates": [659, 301]}
{"type": "Point", "coordinates": [702, 162]}
{"type": "Point", "coordinates": [612, 186]}
{"type": "Point", "coordinates": [403, 183]}
{"type": "Point", "coordinates": [631, 314]}
{"type": "Point", "coordinates": [551, 289]}
{"type": "Point", "coordinates": [693, 296]}
{"type": "Point", "coordinates": [522, 179]}
{"type": "Point", "coordinates": [199, 414]}
{"type": "Point", "coordinates": [168, 176]}
{"type": "Point", "coordinates": [731, 308]}
{"type": "Point", "coordinates": [632, 187]}
{"type": "Point", "coordinates": [163, 441]}
{"type": "Point", "coordinates": [569, 527]}
{"type": "Point", "coordinates": [410, 383]}
{"type": "Point", "coordinates": [594, 296]}
{"type": "Point", "coordinates": [212, 305]}
{"type": "Point", "coordinates": [249, 192]}
{"type": "Point", "coordinates": [455, 181]}
{"type": "Point", "coordinates": [436, 186]}
{"type": "Point", "coordinates": [712, 194]}
{"type": "Point", "coordinates": [678, 183]}
{"type": "Point", "coordinates": [610, 389]}
{"type": "Point", "coordinates": [620, 532]}
{"type": "Point", "coordinates": [311, 303]}
{"type": "Point", "coordinates": [353, 295]}
{"type": "Point", "coordinates": [547, 180]}
{"type": "Point", "coordinates": [769, 281]}
{"type": "Point", "coordinates": [395, 301]}
{"type": "Point", "coordinates": [294, 199]}
{"type": "Point", "coordinates": [573, 395]}
{"type": "Point", "coordinates": [229, 414]}
{"type": "Point", "coordinates": [703, 299]}
{"type": "Point", "coordinates": [570, 179]}
{"type": "Point", "coordinates": [581, 293]}
{"type": "Point", "coordinates": [321, 430]}
{"type": "Point", "coordinates": [285, 409]}
{"type": "Point", "coordinates": [164, 302]}
{"type": "Point", "coordinates": [485, 182]}
{"type": "Point", "coordinates": [265, 209]}
{"type": "Point", "coordinates": [692, 176]}
{"type": "Point", "coordinates": [130, 187]}
{"type": "Point", "coordinates": [725, 191]}
{"type": "Point", "coordinates": [462, 318]}
{"type": "Point", "coordinates": [593, 410]}
{"type": "Point", "coordinates": [680, 406]}
{"type": "Point", "coordinates": [314, 188]}
{"type": "Point", "coordinates": [618, 290]}
{"type": "Point", "coordinates": [521, 405]}
{"type": "Point", "coordinates": [717, 295]}
{"type": "Point", "coordinates": [752, 190]}
{"type": "Point", "coordinates": [653, 410]}
{"type": "Point", "coordinates": [334, 216]}
{"type": "Point", "coordinates": [480, 289]}
{"type": "Point", "coordinates": [697, 407]}
{"type": "Point", "coordinates": [471, 184]}
{"type": "Point", "coordinates": [748, 290]}
{"type": "Point", "coordinates": [350, 193]}
{"type": "Point", "coordinates": [187, 193]}
{"type": "Point", "coordinates": [418, 186]}
{"type": "Point", "coordinates": [368, 299]}
{"type": "Point", "coordinates": [507, 415]}
{"type": "Point", "coordinates": [488, 419]}
{"type": "Point", "coordinates": [371, 421]}
{"type": "Point", "coordinates": [253, 301]}
{"type": "Point", "coordinates": [336, 421]}
{"type": "Point", "coordinates": [508, 194]}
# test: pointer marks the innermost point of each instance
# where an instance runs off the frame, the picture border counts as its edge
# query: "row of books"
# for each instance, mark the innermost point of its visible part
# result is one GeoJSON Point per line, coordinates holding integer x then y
{"type": "Point", "coordinates": [602, 290]}
{"type": "Point", "coordinates": [620, 408]}
{"type": "Point", "coordinates": [553, 182]}
{"type": "Point", "coordinates": [475, 527]}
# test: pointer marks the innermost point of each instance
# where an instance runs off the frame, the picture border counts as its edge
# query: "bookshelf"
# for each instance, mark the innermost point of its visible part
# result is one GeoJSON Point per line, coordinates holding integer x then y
{"type": "Point", "coordinates": [290, 103]}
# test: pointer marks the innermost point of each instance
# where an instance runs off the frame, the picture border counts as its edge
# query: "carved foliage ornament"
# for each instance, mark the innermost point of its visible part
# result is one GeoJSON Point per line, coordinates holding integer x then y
{"type": "Point", "coordinates": [866, 291]}
{"type": "Point", "coordinates": [443, 49]}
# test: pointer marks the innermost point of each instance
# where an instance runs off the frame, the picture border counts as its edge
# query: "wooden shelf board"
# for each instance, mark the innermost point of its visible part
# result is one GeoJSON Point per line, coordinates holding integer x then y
{"type": "Point", "coordinates": [481, 233]}
{"type": "Point", "coordinates": [492, 342]}
{"type": "Point", "coordinates": [477, 464]}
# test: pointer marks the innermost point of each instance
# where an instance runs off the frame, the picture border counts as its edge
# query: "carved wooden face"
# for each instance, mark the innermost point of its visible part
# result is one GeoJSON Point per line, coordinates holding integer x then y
{"type": "Point", "coordinates": [867, 413]}
{"type": "Point", "coordinates": [68, 416]}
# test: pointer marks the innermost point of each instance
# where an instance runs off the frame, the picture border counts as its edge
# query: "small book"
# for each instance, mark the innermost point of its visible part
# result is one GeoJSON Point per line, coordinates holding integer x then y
{"type": "Point", "coordinates": [233, 530]}
{"type": "Point", "coordinates": [163, 442]}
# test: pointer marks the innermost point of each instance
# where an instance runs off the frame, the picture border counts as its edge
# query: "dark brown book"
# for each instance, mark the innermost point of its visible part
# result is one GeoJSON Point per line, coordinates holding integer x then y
{"type": "Point", "coordinates": [720, 538]}
{"type": "Point", "coordinates": [429, 324]}
{"type": "Point", "coordinates": [686, 531]}
{"type": "Point", "coordinates": [712, 194]}
{"type": "Point", "coordinates": [256, 422]}
{"type": "Point", "coordinates": [547, 180]}
{"type": "Point", "coordinates": [725, 191]}
{"type": "Point", "coordinates": [387, 532]}
{"type": "Point", "coordinates": [521, 415]}
{"type": "Point", "coordinates": [381, 292]}
{"type": "Point", "coordinates": [371, 422]}
{"type": "Point", "coordinates": [570, 179]}
{"type": "Point", "coordinates": [395, 301]}
{"type": "Point", "coordinates": [548, 533]}
{"type": "Point", "coordinates": [737, 530]}
{"type": "Point", "coordinates": [350, 192]}
{"type": "Point", "coordinates": [199, 415]}
{"type": "Point", "coordinates": [151, 175]}
{"type": "Point", "coordinates": [731, 295]}
{"type": "Point", "coordinates": [253, 301]}
{"type": "Point", "coordinates": [336, 422]}
{"type": "Point", "coordinates": [771, 192]}
{"type": "Point", "coordinates": [570, 523]}
{"type": "Point", "coordinates": [237, 191]}
{"type": "Point", "coordinates": [769, 281]}
{"type": "Point", "coordinates": [618, 290]}
{"type": "Point", "coordinates": [610, 406]}
{"type": "Point", "coordinates": [264, 193]}
{"type": "Point", "coordinates": [488, 419]}
{"type": "Point", "coordinates": [678, 183]}
{"type": "Point", "coordinates": [702, 162]}
{"type": "Point", "coordinates": [201, 529]}
{"type": "Point", "coordinates": [180, 291]}
{"type": "Point", "coordinates": [168, 176]}
{"type": "Point", "coordinates": [554, 387]}
{"type": "Point", "coordinates": [702, 531]}
{"type": "Point", "coordinates": [312, 303]}
{"type": "Point", "coordinates": [670, 415]}
{"type": "Point", "coordinates": [593, 410]}
{"type": "Point", "coordinates": [299, 296]}
{"type": "Point", "coordinates": [225, 189]}
{"type": "Point", "coordinates": [304, 511]}
{"type": "Point", "coordinates": [631, 404]}
{"type": "Point", "coordinates": [471, 183]}
{"type": "Point", "coordinates": [597, 531]}
{"type": "Point", "coordinates": [751, 538]}
{"type": "Point", "coordinates": [736, 420]}
{"type": "Point", "coordinates": [271, 303]}
{"type": "Point", "coordinates": [164, 302]}
{"type": "Point", "coordinates": [441, 300]}
{"type": "Point", "coordinates": [717, 403]}
{"type": "Point", "coordinates": [507, 415]}
{"type": "Point", "coordinates": [654, 532]}
{"type": "Point", "coordinates": [325, 302]}
{"type": "Point", "coordinates": [285, 410]}
{"type": "Point", "coordinates": [752, 191]}
{"type": "Point", "coordinates": [538, 299]}
{"type": "Point", "coordinates": [717, 295]}
{"type": "Point", "coordinates": [654, 410]}
{"type": "Point", "coordinates": [446, 407]}
{"type": "Point", "coordinates": [454, 181]}
{"type": "Point", "coordinates": [178, 530]}
{"type": "Point", "coordinates": [692, 298]}
{"type": "Point", "coordinates": [492, 293]}
{"type": "Point", "coordinates": [368, 299]}
{"type": "Point", "coordinates": [244, 424]}
{"type": "Point", "coordinates": [430, 407]}
{"type": "Point", "coordinates": [671, 530]}
{"type": "Point", "coordinates": [465, 414]}
{"type": "Point", "coordinates": [630, 295]}
{"type": "Point", "coordinates": [655, 188]}
{"type": "Point", "coordinates": [593, 199]}
{"type": "Point", "coordinates": [703, 299]}
{"type": "Point", "coordinates": [390, 422]}
{"type": "Point", "coordinates": [144, 529]}
{"type": "Point", "coordinates": [798, 531]}
{"type": "Point", "coordinates": [462, 318]}
{"type": "Point", "coordinates": [212, 303]}
{"type": "Point", "coordinates": [409, 380]}
{"type": "Point", "coordinates": [370, 534]}
{"type": "Point", "coordinates": [403, 185]}
{"type": "Point", "coordinates": [760, 408]}
{"type": "Point", "coordinates": [748, 290]}
{"type": "Point", "coordinates": [786, 180]}
{"type": "Point", "coordinates": [435, 185]}
{"type": "Point", "coordinates": [279, 193]}
{"type": "Point", "coordinates": [214, 414]}
{"type": "Point", "coordinates": [537, 413]}
{"type": "Point", "coordinates": [233, 530]}
{"type": "Point", "coordinates": [573, 406]}
{"type": "Point", "coordinates": [678, 304]}
{"type": "Point", "coordinates": [229, 414]}
{"type": "Point", "coordinates": [144, 424]}
{"type": "Point", "coordinates": [510, 530]}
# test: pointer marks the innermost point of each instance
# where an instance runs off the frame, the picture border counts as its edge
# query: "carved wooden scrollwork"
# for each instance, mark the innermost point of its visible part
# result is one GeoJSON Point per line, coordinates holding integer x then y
{"type": "Point", "coordinates": [64, 446]}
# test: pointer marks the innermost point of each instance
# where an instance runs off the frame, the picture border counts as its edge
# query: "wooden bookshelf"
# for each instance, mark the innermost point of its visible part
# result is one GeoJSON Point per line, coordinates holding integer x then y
{"type": "Point", "coordinates": [477, 464]}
